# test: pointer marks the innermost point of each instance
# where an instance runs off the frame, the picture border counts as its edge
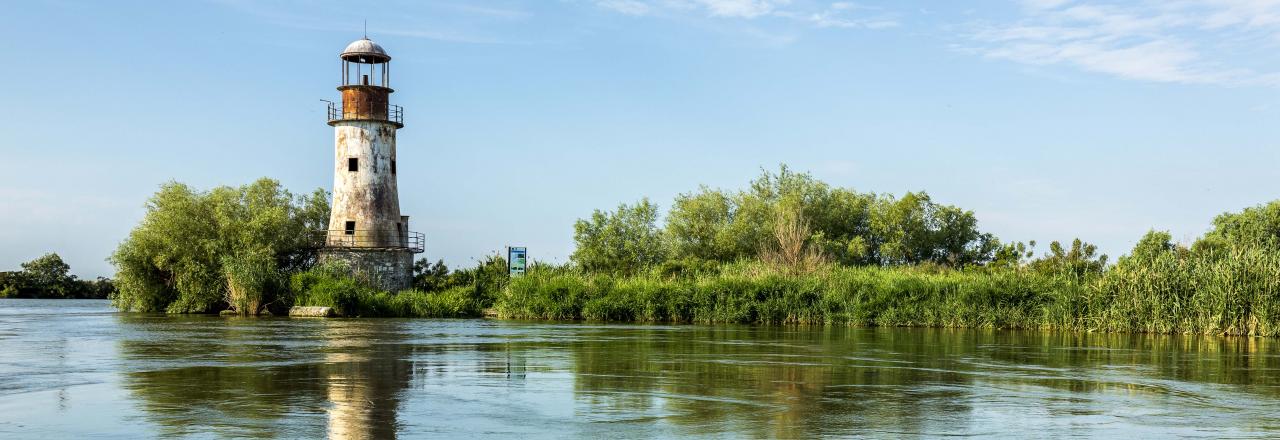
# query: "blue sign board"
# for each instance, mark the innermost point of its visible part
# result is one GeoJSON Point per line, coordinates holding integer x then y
{"type": "Point", "coordinates": [516, 261]}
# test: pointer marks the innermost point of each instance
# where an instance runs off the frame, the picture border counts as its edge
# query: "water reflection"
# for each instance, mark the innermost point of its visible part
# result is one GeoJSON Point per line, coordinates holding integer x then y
{"type": "Point", "coordinates": [264, 378]}
{"type": "Point", "coordinates": [386, 378]}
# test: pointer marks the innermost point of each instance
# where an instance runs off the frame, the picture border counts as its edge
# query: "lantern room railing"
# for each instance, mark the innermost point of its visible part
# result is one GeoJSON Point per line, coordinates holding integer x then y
{"type": "Point", "coordinates": [365, 111]}
{"type": "Point", "coordinates": [388, 239]}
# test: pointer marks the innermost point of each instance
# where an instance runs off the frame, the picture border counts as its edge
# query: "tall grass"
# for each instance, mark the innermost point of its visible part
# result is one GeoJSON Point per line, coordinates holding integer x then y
{"type": "Point", "coordinates": [752, 292]}
{"type": "Point", "coordinates": [1231, 293]}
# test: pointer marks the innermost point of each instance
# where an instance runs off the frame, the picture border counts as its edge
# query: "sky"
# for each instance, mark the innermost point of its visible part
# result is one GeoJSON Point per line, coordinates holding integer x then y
{"type": "Point", "coordinates": [1049, 119]}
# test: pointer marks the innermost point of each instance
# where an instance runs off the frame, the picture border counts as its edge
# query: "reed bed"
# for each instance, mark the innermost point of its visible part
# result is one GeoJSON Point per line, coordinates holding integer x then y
{"type": "Point", "coordinates": [1235, 292]}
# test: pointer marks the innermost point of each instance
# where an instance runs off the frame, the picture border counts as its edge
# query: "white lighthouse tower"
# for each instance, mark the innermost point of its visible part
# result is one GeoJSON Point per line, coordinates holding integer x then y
{"type": "Point", "coordinates": [366, 229]}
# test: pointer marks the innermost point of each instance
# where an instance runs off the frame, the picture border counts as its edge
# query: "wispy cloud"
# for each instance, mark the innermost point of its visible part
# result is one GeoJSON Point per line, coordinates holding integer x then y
{"type": "Point", "coordinates": [840, 14]}
{"type": "Point", "coordinates": [1174, 41]}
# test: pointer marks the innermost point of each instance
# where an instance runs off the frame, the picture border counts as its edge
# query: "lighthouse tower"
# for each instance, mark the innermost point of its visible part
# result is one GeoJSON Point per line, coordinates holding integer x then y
{"type": "Point", "coordinates": [366, 230]}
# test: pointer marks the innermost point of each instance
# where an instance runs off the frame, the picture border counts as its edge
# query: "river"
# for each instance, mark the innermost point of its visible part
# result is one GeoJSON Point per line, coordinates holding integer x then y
{"type": "Point", "coordinates": [77, 369]}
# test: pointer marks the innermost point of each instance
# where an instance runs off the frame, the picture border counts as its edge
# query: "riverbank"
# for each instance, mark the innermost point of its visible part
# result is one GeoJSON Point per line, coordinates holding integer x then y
{"type": "Point", "coordinates": [1233, 292]}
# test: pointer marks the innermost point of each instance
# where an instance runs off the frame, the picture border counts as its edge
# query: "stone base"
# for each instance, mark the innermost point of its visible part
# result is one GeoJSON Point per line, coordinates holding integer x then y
{"type": "Point", "coordinates": [312, 312]}
{"type": "Point", "coordinates": [389, 269]}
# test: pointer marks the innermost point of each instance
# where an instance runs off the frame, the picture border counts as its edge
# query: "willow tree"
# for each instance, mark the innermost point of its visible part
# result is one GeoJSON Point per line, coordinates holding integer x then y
{"type": "Point", "coordinates": [205, 251]}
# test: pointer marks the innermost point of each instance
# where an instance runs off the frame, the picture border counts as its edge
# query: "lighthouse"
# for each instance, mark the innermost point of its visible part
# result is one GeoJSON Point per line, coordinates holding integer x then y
{"type": "Point", "coordinates": [366, 230]}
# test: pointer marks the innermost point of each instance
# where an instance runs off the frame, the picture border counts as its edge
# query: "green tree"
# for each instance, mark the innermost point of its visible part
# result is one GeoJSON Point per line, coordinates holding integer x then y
{"type": "Point", "coordinates": [49, 275]}
{"type": "Point", "coordinates": [1081, 260]}
{"type": "Point", "coordinates": [622, 241]}
{"type": "Point", "coordinates": [1152, 245]}
{"type": "Point", "coordinates": [1257, 226]}
{"type": "Point", "coordinates": [429, 277]}
{"type": "Point", "coordinates": [850, 227]}
{"type": "Point", "coordinates": [1013, 255]}
{"type": "Point", "coordinates": [179, 258]}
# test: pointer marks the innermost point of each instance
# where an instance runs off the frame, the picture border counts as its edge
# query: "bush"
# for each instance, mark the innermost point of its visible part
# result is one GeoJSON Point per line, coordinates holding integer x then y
{"type": "Point", "coordinates": [333, 285]}
{"type": "Point", "coordinates": [186, 254]}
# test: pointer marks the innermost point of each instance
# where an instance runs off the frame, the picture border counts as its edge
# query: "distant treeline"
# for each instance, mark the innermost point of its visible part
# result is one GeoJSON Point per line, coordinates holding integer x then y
{"type": "Point", "coordinates": [50, 277]}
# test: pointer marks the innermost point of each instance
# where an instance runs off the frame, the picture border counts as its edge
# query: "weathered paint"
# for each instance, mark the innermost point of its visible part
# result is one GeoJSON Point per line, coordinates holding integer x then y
{"type": "Point", "coordinates": [368, 196]}
{"type": "Point", "coordinates": [364, 102]}
{"type": "Point", "coordinates": [390, 269]}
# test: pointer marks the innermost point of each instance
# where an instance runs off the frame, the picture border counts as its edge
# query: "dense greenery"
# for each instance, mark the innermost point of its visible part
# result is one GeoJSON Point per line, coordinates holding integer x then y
{"type": "Point", "coordinates": [793, 250]}
{"type": "Point", "coordinates": [788, 250]}
{"type": "Point", "coordinates": [226, 248]}
{"type": "Point", "coordinates": [50, 277]}
{"type": "Point", "coordinates": [790, 216]}
{"type": "Point", "coordinates": [333, 285]}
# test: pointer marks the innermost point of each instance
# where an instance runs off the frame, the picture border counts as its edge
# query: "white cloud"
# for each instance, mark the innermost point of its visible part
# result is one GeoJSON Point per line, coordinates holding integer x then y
{"type": "Point", "coordinates": [1176, 41]}
{"type": "Point", "coordinates": [840, 14]}
{"type": "Point", "coordinates": [629, 7]}
{"type": "Point", "coordinates": [740, 8]}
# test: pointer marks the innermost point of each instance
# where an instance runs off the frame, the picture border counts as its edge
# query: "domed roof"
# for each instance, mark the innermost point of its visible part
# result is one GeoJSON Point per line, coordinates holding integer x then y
{"type": "Point", "coordinates": [365, 50]}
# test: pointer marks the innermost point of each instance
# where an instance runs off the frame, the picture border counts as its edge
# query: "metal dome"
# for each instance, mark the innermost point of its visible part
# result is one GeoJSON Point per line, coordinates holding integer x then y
{"type": "Point", "coordinates": [365, 50]}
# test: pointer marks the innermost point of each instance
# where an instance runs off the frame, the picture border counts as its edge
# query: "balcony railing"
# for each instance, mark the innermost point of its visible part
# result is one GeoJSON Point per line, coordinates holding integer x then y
{"type": "Point", "coordinates": [393, 113]}
{"type": "Point", "coordinates": [384, 239]}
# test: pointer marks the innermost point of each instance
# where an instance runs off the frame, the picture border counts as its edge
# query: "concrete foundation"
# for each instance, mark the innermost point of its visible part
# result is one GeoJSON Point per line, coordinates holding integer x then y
{"type": "Point", "coordinates": [389, 269]}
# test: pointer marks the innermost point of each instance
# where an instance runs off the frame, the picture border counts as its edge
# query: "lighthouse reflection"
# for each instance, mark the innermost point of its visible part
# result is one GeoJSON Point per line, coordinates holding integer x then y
{"type": "Point", "coordinates": [340, 379]}
{"type": "Point", "coordinates": [364, 373]}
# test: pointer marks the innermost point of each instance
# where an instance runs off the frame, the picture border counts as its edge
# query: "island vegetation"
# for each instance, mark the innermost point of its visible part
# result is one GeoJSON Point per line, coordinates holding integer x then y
{"type": "Point", "coordinates": [787, 249]}
{"type": "Point", "coordinates": [48, 277]}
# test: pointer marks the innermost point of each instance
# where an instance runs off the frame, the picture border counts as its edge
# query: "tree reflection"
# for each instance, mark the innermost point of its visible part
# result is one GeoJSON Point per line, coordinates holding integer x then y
{"type": "Point", "coordinates": [799, 382]}
{"type": "Point", "coordinates": [348, 378]}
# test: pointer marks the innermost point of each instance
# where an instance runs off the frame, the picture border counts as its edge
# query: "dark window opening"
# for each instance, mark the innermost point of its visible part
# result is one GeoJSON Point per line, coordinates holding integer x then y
{"type": "Point", "coordinates": [351, 228]}
{"type": "Point", "coordinates": [353, 164]}
{"type": "Point", "coordinates": [393, 167]}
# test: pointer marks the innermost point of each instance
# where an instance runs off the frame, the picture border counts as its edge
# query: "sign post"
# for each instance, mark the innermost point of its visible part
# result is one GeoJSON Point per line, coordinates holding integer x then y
{"type": "Point", "coordinates": [516, 260]}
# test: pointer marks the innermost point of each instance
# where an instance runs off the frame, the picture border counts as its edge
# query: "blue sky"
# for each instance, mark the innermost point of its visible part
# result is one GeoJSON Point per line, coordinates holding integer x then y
{"type": "Point", "coordinates": [1050, 119]}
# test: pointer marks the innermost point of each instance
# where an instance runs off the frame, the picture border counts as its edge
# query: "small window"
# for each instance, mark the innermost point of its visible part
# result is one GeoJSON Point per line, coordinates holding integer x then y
{"type": "Point", "coordinates": [353, 164]}
{"type": "Point", "coordinates": [393, 167]}
{"type": "Point", "coordinates": [351, 227]}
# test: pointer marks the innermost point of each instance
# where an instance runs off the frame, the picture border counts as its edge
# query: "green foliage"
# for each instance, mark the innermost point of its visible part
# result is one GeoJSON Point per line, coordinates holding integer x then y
{"type": "Point", "coordinates": [623, 241]}
{"type": "Point", "coordinates": [914, 229]}
{"type": "Point", "coordinates": [49, 272]}
{"type": "Point", "coordinates": [851, 227]}
{"type": "Point", "coordinates": [430, 277]}
{"type": "Point", "coordinates": [752, 292]}
{"type": "Point", "coordinates": [251, 278]}
{"type": "Point", "coordinates": [1233, 291]}
{"type": "Point", "coordinates": [1013, 255]}
{"type": "Point", "coordinates": [1257, 226]}
{"type": "Point", "coordinates": [485, 280]}
{"type": "Point", "coordinates": [1080, 261]}
{"type": "Point", "coordinates": [49, 277]}
{"type": "Point", "coordinates": [334, 285]}
{"type": "Point", "coordinates": [176, 259]}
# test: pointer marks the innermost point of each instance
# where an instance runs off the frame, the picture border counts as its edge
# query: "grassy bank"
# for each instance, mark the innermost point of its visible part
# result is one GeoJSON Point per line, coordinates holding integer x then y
{"type": "Point", "coordinates": [1233, 293]}
{"type": "Point", "coordinates": [1227, 292]}
{"type": "Point", "coordinates": [333, 286]}
{"type": "Point", "coordinates": [752, 292]}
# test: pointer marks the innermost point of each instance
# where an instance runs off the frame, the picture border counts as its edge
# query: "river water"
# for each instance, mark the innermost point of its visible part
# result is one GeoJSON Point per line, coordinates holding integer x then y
{"type": "Point", "coordinates": [76, 369]}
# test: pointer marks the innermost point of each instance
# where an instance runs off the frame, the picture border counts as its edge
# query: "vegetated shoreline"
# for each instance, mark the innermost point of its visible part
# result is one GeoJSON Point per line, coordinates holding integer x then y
{"type": "Point", "coordinates": [788, 250]}
{"type": "Point", "coordinates": [750, 292]}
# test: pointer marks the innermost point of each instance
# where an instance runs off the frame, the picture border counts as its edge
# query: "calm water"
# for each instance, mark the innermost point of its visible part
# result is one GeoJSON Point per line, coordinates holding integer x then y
{"type": "Point", "coordinates": [75, 369]}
